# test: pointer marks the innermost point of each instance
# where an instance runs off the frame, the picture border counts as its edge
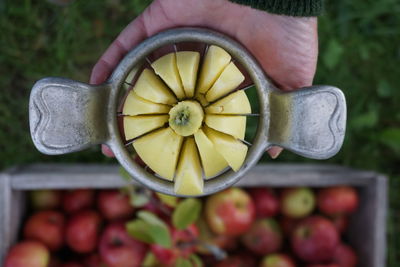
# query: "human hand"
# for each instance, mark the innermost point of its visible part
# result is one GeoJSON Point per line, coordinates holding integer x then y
{"type": "Point", "coordinates": [286, 47]}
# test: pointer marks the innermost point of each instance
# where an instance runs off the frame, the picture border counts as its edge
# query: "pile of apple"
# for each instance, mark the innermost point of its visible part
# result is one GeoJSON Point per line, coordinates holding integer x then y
{"type": "Point", "coordinates": [132, 227]}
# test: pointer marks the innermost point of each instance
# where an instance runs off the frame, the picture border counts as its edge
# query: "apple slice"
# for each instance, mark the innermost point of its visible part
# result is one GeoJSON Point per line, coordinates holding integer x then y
{"type": "Point", "coordinates": [215, 61]}
{"type": "Point", "coordinates": [135, 105]}
{"type": "Point", "coordinates": [233, 125]}
{"type": "Point", "coordinates": [167, 69]}
{"type": "Point", "coordinates": [151, 88]}
{"type": "Point", "coordinates": [188, 179]}
{"type": "Point", "coordinates": [212, 161]}
{"type": "Point", "coordinates": [135, 126]}
{"type": "Point", "coordinates": [235, 103]}
{"type": "Point", "coordinates": [201, 98]}
{"type": "Point", "coordinates": [188, 64]}
{"type": "Point", "coordinates": [229, 79]}
{"type": "Point", "coordinates": [233, 150]}
{"type": "Point", "coordinates": [160, 151]}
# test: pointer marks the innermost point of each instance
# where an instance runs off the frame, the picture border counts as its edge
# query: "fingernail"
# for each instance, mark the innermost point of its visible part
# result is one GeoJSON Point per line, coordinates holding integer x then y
{"type": "Point", "coordinates": [107, 151]}
{"type": "Point", "coordinates": [275, 151]}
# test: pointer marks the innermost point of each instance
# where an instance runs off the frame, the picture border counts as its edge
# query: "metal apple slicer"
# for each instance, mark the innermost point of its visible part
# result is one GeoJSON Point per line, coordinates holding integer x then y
{"type": "Point", "coordinates": [67, 116]}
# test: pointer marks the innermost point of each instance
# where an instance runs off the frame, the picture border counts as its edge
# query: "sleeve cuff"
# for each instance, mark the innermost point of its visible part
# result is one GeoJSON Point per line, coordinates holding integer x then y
{"type": "Point", "coordinates": [299, 8]}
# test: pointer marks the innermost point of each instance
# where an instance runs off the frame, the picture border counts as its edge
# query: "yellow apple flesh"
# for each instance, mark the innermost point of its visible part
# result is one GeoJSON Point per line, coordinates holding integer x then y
{"type": "Point", "coordinates": [188, 64]}
{"type": "Point", "coordinates": [188, 179]}
{"type": "Point", "coordinates": [135, 105]}
{"type": "Point", "coordinates": [151, 88]}
{"type": "Point", "coordinates": [215, 61]}
{"type": "Point", "coordinates": [232, 125]}
{"type": "Point", "coordinates": [167, 69]}
{"type": "Point", "coordinates": [233, 150]}
{"type": "Point", "coordinates": [230, 79]}
{"type": "Point", "coordinates": [212, 161]}
{"type": "Point", "coordinates": [160, 151]}
{"type": "Point", "coordinates": [235, 103]}
{"type": "Point", "coordinates": [135, 126]}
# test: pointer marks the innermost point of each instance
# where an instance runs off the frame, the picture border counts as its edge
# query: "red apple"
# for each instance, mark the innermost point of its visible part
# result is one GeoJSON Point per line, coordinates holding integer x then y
{"type": "Point", "coordinates": [79, 199]}
{"type": "Point", "coordinates": [27, 253]}
{"type": "Point", "coordinates": [315, 239]}
{"type": "Point", "coordinates": [93, 260]}
{"type": "Point", "coordinates": [265, 201]}
{"type": "Point", "coordinates": [297, 202]}
{"type": "Point", "coordinates": [345, 256]}
{"type": "Point", "coordinates": [264, 237]}
{"type": "Point", "coordinates": [277, 260]}
{"type": "Point", "coordinates": [288, 224]}
{"type": "Point", "coordinates": [159, 207]}
{"type": "Point", "coordinates": [230, 212]}
{"type": "Point", "coordinates": [118, 249]}
{"type": "Point", "coordinates": [207, 237]}
{"type": "Point", "coordinates": [46, 227]}
{"type": "Point", "coordinates": [72, 264]}
{"type": "Point", "coordinates": [323, 265]}
{"type": "Point", "coordinates": [337, 200]}
{"type": "Point", "coordinates": [82, 231]}
{"type": "Point", "coordinates": [240, 260]}
{"type": "Point", "coordinates": [114, 205]}
{"type": "Point", "coordinates": [183, 244]}
{"type": "Point", "coordinates": [45, 199]}
{"type": "Point", "coordinates": [341, 222]}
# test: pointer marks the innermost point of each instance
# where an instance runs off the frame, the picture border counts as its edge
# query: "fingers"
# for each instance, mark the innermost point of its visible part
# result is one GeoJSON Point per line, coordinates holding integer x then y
{"type": "Point", "coordinates": [107, 151]}
{"type": "Point", "coordinates": [274, 151]}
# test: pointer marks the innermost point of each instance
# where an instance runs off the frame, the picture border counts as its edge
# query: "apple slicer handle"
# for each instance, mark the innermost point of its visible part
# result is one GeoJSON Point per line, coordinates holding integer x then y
{"type": "Point", "coordinates": [310, 121]}
{"type": "Point", "coordinates": [67, 116]}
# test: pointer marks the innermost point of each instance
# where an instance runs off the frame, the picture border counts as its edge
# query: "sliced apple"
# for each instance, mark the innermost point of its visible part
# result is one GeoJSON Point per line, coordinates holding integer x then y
{"type": "Point", "coordinates": [186, 117]}
{"type": "Point", "coordinates": [212, 161]}
{"type": "Point", "coordinates": [235, 103]}
{"type": "Point", "coordinates": [188, 64]}
{"type": "Point", "coordinates": [229, 80]}
{"type": "Point", "coordinates": [135, 126]}
{"type": "Point", "coordinates": [135, 105]}
{"type": "Point", "coordinates": [201, 98]}
{"type": "Point", "coordinates": [232, 125]}
{"type": "Point", "coordinates": [160, 151]}
{"type": "Point", "coordinates": [215, 61]}
{"type": "Point", "coordinates": [233, 150]}
{"type": "Point", "coordinates": [188, 179]}
{"type": "Point", "coordinates": [150, 87]}
{"type": "Point", "coordinates": [167, 69]}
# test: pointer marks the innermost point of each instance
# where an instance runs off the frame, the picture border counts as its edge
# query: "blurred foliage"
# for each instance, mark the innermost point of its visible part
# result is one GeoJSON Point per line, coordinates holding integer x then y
{"type": "Point", "coordinates": [39, 39]}
{"type": "Point", "coordinates": [359, 52]}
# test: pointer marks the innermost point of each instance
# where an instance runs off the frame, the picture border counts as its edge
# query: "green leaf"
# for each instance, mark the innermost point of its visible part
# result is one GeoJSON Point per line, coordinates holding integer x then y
{"type": "Point", "coordinates": [149, 260]}
{"type": "Point", "coordinates": [391, 138]}
{"type": "Point", "coordinates": [168, 200]}
{"type": "Point", "coordinates": [150, 229]}
{"type": "Point", "coordinates": [139, 230]}
{"type": "Point", "coordinates": [139, 196]}
{"type": "Point", "coordinates": [332, 54]}
{"type": "Point", "coordinates": [157, 229]}
{"type": "Point", "coordinates": [196, 260]}
{"type": "Point", "coordinates": [186, 213]}
{"type": "Point", "coordinates": [181, 262]}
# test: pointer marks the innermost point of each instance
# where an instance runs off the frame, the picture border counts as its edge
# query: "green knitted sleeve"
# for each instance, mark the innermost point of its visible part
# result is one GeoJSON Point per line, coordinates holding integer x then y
{"type": "Point", "coordinates": [302, 8]}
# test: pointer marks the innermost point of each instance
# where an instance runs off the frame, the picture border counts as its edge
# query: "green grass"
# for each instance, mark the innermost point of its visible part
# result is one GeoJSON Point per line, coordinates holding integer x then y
{"type": "Point", "coordinates": [359, 52]}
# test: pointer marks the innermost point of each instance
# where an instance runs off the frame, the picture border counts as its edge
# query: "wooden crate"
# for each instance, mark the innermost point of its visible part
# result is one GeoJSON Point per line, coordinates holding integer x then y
{"type": "Point", "coordinates": [366, 233]}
